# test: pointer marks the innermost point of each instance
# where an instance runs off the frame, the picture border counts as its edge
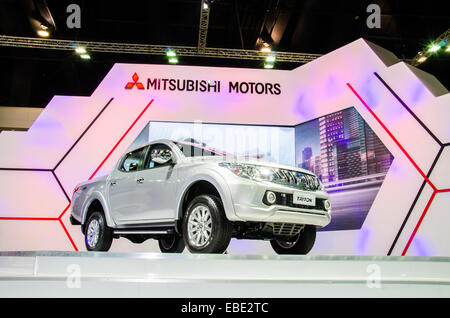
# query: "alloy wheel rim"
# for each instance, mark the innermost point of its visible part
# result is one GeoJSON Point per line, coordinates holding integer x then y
{"type": "Point", "coordinates": [93, 233]}
{"type": "Point", "coordinates": [200, 226]}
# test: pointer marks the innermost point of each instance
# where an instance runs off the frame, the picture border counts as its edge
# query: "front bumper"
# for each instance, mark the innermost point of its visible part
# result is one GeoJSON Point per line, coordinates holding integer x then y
{"type": "Point", "coordinates": [247, 196]}
{"type": "Point", "coordinates": [282, 214]}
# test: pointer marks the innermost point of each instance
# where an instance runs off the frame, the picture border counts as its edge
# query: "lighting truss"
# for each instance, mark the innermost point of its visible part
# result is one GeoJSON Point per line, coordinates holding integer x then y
{"type": "Point", "coordinates": [203, 27]}
{"type": "Point", "coordinates": [149, 49]}
{"type": "Point", "coordinates": [424, 54]}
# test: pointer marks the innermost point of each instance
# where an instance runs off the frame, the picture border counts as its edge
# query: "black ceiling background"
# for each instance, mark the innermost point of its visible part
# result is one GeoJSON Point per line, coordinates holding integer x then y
{"type": "Point", "coordinates": [30, 77]}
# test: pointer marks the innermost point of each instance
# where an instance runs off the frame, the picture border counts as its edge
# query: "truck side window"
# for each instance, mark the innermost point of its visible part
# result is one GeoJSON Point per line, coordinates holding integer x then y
{"type": "Point", "coordinates": [161, 151]}
{"type": "Point", "coordinates": [133, 160]}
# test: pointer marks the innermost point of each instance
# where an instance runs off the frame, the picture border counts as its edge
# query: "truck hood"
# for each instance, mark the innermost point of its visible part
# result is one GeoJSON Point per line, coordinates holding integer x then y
{"type": "Point", "coordinates": [243, 160]}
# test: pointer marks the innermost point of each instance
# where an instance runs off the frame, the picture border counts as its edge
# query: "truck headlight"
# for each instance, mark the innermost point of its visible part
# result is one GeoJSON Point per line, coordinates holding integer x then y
{"type": "Point", "coordinates": [249, 171]}
{"type": "Point", "coordinates": [285, 177]}
{"type": "Point", "coordinates": [320, 184]}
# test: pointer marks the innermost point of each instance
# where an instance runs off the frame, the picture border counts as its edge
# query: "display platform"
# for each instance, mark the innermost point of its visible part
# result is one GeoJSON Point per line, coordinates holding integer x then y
{"type": "Point", "coordinates": [89, 274]}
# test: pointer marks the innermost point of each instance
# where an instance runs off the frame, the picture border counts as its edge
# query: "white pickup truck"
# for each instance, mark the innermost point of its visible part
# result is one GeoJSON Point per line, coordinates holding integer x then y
{"type": "Point", "coordinates": [186, 194]}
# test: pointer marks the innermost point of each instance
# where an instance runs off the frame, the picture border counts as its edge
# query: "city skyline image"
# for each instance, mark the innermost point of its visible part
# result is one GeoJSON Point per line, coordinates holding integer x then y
{"type": "Point", "coordinates": [350, 160]}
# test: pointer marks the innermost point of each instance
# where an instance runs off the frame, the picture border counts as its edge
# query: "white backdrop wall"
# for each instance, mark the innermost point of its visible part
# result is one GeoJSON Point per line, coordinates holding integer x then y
{"type": "Point", "coordinates": [76, 138]}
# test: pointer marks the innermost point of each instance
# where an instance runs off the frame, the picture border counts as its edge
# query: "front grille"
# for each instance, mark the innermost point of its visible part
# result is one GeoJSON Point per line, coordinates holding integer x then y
{"type": "Point", "coordinates": [295, 179]}
{"type": "Point", "coordinates": [286, 229]}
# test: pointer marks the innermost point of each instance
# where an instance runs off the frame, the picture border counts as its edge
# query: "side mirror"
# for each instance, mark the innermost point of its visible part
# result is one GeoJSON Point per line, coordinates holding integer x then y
{"type": "Point", "coordinates": [133, 166]}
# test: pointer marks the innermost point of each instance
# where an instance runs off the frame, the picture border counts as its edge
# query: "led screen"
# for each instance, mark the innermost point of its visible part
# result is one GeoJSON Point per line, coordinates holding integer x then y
{"type": "Point", "coordinates": [340, 148]}
{"type": "Point", "coordinates": [350, 160]}
{"type": "Point", "coordinates": [268, 143]}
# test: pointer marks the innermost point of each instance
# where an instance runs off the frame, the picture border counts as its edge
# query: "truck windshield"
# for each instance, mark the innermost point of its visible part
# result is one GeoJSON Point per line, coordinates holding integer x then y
{"type": "Point", "coordinates": [196, 150]}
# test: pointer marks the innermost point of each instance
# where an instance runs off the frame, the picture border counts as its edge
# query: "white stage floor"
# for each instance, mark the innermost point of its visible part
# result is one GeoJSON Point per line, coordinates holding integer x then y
{"type": "Point", "coordinates": [88, 274]}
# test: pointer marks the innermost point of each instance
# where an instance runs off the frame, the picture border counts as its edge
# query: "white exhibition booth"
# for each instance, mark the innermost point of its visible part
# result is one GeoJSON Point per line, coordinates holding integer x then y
{"type": "Point", "coordinates": [76, 138]}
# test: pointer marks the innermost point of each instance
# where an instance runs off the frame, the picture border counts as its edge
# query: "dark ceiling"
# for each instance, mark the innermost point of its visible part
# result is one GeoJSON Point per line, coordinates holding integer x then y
{"type": "Point", "coordinates": [30, 77]}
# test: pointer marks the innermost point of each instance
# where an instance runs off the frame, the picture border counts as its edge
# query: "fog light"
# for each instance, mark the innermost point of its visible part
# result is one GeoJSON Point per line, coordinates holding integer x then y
{"type": "Point", "coordinates": [271, 197]}
{"type": "Point", "coordinates": [327, 205]}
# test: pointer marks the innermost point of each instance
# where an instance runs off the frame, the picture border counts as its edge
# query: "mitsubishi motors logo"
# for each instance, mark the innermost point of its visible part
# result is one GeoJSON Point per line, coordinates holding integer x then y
{"type": "Point", "coordinates": [203, 85]}
{"type": "Point", "coordinates": [135, 78]}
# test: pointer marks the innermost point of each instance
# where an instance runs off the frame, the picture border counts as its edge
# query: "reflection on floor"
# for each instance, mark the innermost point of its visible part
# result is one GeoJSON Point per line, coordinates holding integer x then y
{"type": "Point", "coordinates": [87, 274]}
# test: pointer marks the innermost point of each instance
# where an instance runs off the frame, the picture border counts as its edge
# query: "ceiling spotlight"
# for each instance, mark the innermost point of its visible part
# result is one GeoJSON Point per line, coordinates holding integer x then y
{"type": "Point", "coordinates": [422, 59]}
{"type": "Point", "coordinates": [80, 50]}
{"type": "Point", "coordinates": [266, 48]}
{"type": "Point", "coordinates": [85, 56]}
{"type": "Point", "coordinates": [171, 53]}
{"type": "Point", "coordinates": [173, 60]}
{"type": "Point", "coordinates": [434, 48]}
{"type": "Point", "coordinates": [268, 65]}
{"type": "Point", "coordinates": [43, 33]}
{"type": "Point", "coordinates": [270, 58]}
{"type": "Point", "coordinates": [207, 4]}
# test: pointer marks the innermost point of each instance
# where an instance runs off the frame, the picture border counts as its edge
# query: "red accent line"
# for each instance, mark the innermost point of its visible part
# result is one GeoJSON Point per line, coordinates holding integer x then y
{"type": "Point", "coordinates": [435, 190]}
{"type": "Point", "coordinates": [120, 140]}
{"type": "Point", "coordinates": [65, 230]}
{"type": "Point", "coordinates": [98, 168]}
{"type": "Point", "coordinates": [67, 207]}
{"type": "Point", "coordinates": [68, 235]}
{"type": "Point", "coordinates": [65, 210]}
{"type": "Point", "coordinates": [418, 223]}
{"type": "Point", "coordinates": [29, 219]}
{"type": "Point", "coordinates": [393, 138]}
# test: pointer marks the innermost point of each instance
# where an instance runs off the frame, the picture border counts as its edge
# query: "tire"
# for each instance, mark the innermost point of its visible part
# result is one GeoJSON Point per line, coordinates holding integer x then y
{"type": "Point", "coordinates": [215, 221]}
{"type": "Point", "coordinates": [301, 246]}
{"type": "Point", "coordinates": [172, 243]}
{"type": "Point", "coordinates": [104, 235]}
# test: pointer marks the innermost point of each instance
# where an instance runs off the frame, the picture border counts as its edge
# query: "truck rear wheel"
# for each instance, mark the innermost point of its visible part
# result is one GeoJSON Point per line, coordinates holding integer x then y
{"type": "Point", "coordinates": [206, 229]}
{"type": "Point", "coordinates": [172, 243]}
{"type": "Point", "coordinates": [301, 244]}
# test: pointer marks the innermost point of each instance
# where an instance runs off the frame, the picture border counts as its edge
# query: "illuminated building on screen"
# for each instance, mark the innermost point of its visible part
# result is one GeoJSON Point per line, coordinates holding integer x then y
{"type": "Point", "coordinates": [348, 149]}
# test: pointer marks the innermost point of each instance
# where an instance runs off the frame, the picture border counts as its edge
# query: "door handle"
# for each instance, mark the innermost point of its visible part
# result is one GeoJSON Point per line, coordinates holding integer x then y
{"type": "Point", "coordinates": [140, 180]}
{"type": "Point", "coordinates": [113, 183]}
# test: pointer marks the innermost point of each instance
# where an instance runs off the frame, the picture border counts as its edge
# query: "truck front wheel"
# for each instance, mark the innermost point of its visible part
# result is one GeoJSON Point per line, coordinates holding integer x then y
{"type": "Point", "coordinates": [300, 245]}
{"type": "Point", "coordinates": [206, 229]}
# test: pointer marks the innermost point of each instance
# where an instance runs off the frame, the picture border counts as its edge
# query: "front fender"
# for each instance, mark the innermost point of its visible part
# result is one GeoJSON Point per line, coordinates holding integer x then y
{"type": "Point", "coordinates": [98, 195]}
{"type": "Point", "coordinates": [218, 181]}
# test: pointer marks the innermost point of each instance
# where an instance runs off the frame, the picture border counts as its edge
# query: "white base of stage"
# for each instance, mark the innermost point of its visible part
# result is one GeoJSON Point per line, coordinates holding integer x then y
{"type": "Point", "coordinates": [87, 274]}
